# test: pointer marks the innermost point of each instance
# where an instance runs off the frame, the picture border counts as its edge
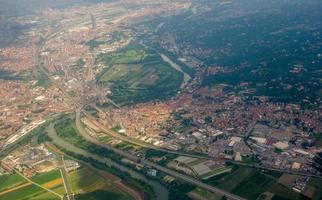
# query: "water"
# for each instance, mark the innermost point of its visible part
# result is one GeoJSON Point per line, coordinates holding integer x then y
{"type": "Point", "coordinates": [160, 190]}
{"type": "Point", "coordinates": [186, 76]}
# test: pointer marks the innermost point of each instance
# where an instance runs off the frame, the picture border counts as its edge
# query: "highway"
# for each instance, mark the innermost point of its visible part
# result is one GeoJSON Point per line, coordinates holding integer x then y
{"type": "Point", "coordinates": [129, 156]}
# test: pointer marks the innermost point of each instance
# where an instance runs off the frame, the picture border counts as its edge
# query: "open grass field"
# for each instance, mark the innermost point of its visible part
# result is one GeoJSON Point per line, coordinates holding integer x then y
{"type": "Point", "coordinates": [29, 192]}
{"type": "Point", "coordinates": [254, 185]}
{"type": "Point", "coordinates": [47, 177]}
{"type": "Point", "coordinates": [88, 184]}
{"type": "Point", "coordinates": [287, 180]}
{"type": "Point", "coordinates": [314, 188]}
{"type": "Point", "coordinates": [100, 195]}
{"type": "Point", "coordinates": [42, 80]}
{"type": "Point", "coordinates": [136, 74]}
{"type": "Point", "coordinates": [283, 191]}
{"type": "Point", "coordinates": [216, 171]}
{"type": "Point", "coordinates": [14, 187]}
{"type": "Point", "coordinates": [10, 181]}
{"type": "Point", "coordinates": [60, 189]}
{"type": "Point", "coordinates": [105, 139]}
{"type": "Point", "coordinates": [204, 194]}
{"type": "Point", "coordinates": [232, 180]}
{"type": "Point", "coordinates": [130, 56]}
{"type": "Point", "coordinates": [251, 183]}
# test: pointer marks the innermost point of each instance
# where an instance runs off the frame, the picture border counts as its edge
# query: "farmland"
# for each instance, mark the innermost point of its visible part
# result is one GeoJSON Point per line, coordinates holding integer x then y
{"type": "Point", "coordinates": [136, 74]}
{"type": "Point", "coordinates": [88, 184]}
{"type": "Point", "coordinates": [29, 192]}
{"type": "Point", "coordinates": [46, 177]}
{"type": "Point", "coordinates": [15, 187]}
{"type": "Point", "coordinates": [199, 193]}
{"type": "Point", "coordinates": [251, 184]}
{"type": "Point", "coordinates": [10, 181]}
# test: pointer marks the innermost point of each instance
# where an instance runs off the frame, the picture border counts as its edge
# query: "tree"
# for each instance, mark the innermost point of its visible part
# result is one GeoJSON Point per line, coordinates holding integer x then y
{"type": "Point", "coordinates": [208, 119]}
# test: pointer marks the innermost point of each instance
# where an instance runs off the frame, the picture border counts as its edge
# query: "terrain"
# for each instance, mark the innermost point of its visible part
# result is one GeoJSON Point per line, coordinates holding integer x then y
{"type": "Point", "coordinates": [165, 100]}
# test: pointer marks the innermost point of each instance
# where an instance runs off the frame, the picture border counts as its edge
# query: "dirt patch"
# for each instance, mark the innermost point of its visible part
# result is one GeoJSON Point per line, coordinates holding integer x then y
{"type": "Point", "coordinates": [53, 183]}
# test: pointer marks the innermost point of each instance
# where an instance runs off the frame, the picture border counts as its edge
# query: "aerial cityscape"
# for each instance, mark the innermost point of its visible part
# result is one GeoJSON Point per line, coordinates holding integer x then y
{"type": "Point", "coordinates": [161, 100]}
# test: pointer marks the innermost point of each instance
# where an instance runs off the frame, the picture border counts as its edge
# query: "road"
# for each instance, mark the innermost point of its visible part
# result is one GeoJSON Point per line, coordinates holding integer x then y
{"type": "Point", "coordinates": [64, 175]}
{"type": "Point", "coordinates": [30, 181]}
{"type": "Point", "coordinates": [129, 156]}
{"type": "Point", "coordinates": [163, 192]}
{"type": "Point", "coordinates": [135, 142]}
{"type": "Point", "coordinates": [150, 146]}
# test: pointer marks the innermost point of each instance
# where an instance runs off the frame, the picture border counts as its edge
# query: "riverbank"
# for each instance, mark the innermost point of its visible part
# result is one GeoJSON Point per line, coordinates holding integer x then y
{"type": "Point", "coordinates": [107, 164]}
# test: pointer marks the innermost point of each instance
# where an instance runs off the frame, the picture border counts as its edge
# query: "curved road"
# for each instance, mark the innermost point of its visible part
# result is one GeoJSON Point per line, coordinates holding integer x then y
{"type": "Point", "coordinates": [175, 174]}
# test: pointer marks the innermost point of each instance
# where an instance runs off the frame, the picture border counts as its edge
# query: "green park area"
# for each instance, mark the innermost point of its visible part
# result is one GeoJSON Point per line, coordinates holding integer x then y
{"type": "Point", "coordinates": [136, 74]}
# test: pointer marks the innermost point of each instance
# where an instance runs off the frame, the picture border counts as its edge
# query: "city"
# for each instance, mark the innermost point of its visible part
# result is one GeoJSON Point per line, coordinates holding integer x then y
{"type": "Point", "coordinates": [120, 93]}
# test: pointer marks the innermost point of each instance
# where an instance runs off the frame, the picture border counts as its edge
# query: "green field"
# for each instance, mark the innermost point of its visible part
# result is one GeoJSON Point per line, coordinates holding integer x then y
{"type": "Point", "coordinates": [254, 185]}
{"type": "Point", "coordinates": [67, 130]}
{"type": "Point", "coordinates": [128, 57]}
{"type": "Point", "coordinates": [216, 171]}
{"type": "Point", "coordinates": [86, 183]}
{"type": "Point", "coordinates": [42, 80]}
{"type": "Point", "coordinates": [232, 180]}
{"type": "Point", "coordinates": [251, 183]}
{"type": "Point", "coordinates": [46, 177]}
{"type": "Point", "coordinates": [136, 74]}
{"type": "Point", "coordinates": [29, 192]}
{"type": "Point", "coordinates": [89, 185]}
{"type": "Point", "coordinates": [316, 185]}
{"type": "Point", "coordinates": [100, 195]}
{"type": "Point", "coordinates": [16, 187]}
{"type": "Point", "coordinates": [206, 194]}
{"type": "Point", "coordinates": [10, 181]}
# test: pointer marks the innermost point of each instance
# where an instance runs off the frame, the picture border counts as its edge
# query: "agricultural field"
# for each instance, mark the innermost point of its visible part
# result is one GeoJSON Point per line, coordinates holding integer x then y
{"type": "Point", "coordinates": [29, 192]}
{"type": "Point", "coordinates": [136, 74]}
{"type": "Point", "coordinates": [200, 193]}
{"type": "Point", "coordinates": [46, 177]}
{"type": "Point", "coordinates": [51, 180]}
{"type": "Point", "coordinates": [10, 181]}
{"type": "Point", "coordinates": [314, 189]}
{"type": "Point", "coordinates": [253, 184]}
{"type": "Point", "coordinates": [14, 186]}
{"type": "Point", "coordinates": [87, 184]}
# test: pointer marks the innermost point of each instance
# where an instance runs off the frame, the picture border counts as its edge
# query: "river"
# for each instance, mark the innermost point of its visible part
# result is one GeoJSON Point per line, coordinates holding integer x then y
{"type": "Point", "coordinates": [160, 190]}
{"type": "Point", "coordinates": [186, 77]}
